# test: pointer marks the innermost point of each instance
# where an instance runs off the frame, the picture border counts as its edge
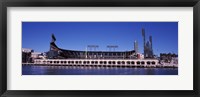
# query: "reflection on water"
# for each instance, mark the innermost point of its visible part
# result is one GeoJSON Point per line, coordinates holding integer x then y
{"type": "Point", "coordinates": [80, 70]}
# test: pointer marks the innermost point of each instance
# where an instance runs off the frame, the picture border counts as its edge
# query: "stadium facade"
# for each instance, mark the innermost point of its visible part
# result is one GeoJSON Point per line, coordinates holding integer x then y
{"type": "Point", "coordinates": [59, 53]}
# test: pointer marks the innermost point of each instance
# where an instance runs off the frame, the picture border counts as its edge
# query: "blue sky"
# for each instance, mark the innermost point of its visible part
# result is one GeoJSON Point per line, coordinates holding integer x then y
{"type": "Point", "coordinates": [77, 35]}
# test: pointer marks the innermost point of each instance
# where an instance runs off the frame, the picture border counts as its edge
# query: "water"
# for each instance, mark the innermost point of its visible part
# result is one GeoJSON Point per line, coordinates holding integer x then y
{"type": "Point", "coordinates": [72, 70]}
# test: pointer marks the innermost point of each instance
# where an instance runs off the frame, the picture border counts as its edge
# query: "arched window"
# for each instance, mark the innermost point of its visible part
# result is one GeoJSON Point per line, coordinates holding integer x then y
{"type": "Point", "coordinates": [118, 62]}
{"type": "Point", "coordinates": [148, 63]}
{"type": "Point", "coordinates": [84, 62]}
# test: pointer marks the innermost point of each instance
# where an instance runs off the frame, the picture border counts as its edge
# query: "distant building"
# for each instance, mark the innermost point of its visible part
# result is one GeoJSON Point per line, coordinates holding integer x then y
{"type": "Point", "coordinates": [36, 55]}
{"type": "Point", "coordinates": [26, 55]}
{"type": "Point", "coordinates": [140, 56]}
{"type": "Point", "coordinates": [168, 58]}
{"type": "Point", "coordinates": [136, 46]}
{"type": "Point", "coordinates": [148, 46]}
{"type": "Point", "coordinates": [27, 50]}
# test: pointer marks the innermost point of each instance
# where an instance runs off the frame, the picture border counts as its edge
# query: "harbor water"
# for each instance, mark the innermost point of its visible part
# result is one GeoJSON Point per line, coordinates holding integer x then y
{"type": "Point", "coordinates": [80, 70]}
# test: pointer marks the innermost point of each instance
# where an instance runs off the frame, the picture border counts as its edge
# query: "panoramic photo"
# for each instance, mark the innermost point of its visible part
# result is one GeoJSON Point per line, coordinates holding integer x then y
{"type": "Point", "coordinates": [99, 48]}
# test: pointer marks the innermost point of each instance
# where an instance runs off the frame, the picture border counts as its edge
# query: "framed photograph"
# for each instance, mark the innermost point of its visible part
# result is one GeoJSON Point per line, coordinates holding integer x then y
{"type": "Point", "coordinates": [92, 48]}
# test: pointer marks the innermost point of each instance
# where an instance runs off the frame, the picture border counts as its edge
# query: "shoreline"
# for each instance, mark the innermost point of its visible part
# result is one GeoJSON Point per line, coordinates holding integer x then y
{"type": "Point", "coordinates": [103, 65]}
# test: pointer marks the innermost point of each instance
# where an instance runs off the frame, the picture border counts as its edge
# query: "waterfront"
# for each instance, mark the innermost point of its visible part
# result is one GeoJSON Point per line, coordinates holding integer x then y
{"type": "Point", "coordinates": [80, 70]}
{"type": "Point", "coordinates": [116, 48]}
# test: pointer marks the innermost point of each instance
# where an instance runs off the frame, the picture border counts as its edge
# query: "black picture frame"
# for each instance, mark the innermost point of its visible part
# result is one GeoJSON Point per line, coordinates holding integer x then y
{"type": "Point", "coordinates": [99, 3]}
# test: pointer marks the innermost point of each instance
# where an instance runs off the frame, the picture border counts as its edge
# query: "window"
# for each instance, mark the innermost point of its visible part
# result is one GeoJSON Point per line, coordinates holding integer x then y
{"type": "Point", "coordinates": [84, 62]}
{"type": "Point", "coordinates": [118, 62]}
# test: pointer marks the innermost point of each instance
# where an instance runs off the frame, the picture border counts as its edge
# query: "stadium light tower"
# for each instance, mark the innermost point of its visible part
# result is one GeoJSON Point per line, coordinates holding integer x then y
{"type": "Point", "coordinates": [109, 47]}
{"type": "Point", "coordinates": [115, 46]}
{"type": "Point", "coordinates": [93, 47]}
{"type": "Point", "coordinates": [112, 47]}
